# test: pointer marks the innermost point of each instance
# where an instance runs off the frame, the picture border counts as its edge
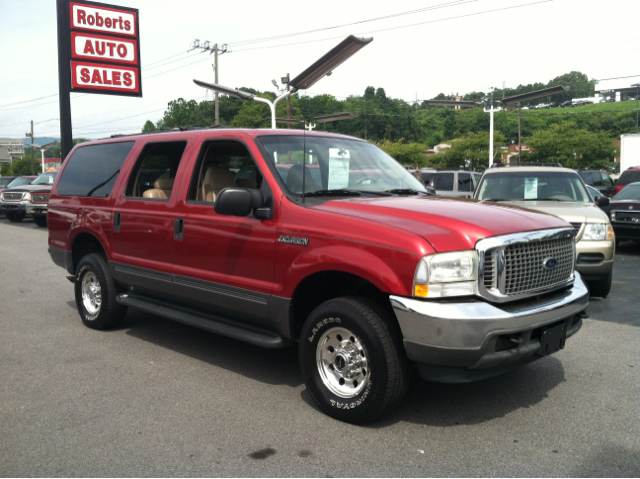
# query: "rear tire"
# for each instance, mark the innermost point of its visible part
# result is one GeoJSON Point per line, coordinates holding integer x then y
{"type": "Point", "coordinates": [40, 220]}
{"type": "Point", "coordinates": [602, 287]}
{"type": "Point", "coordinates": [352, 359]}
{"type": "Point", "coordinates": [15, 217]}
{"type": "Point", "coordinates": [96, 294]}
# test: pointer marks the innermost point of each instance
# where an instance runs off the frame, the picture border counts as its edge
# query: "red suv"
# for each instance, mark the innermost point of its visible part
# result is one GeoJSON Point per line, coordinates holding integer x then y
{"type": "Point", "coordinates": [277, 237]}
{"type": "Point", "coordinates": [630, 175]}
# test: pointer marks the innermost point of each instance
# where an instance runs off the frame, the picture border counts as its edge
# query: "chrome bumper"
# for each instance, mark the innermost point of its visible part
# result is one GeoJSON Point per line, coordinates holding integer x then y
{"type": "Point", "coordinates": [463, 333]}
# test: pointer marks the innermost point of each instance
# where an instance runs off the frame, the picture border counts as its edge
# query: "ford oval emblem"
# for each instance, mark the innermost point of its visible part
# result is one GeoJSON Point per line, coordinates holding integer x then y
{"type": "Point", "coordinates": [550, 263]}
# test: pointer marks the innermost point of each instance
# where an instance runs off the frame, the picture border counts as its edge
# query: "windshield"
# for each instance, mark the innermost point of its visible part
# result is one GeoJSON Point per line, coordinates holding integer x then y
{"type": "Point", "coordinates": [5, 181]}
{"type": "Point", "coordinates": [45, 179]}
{"type": "Point", "coordinates": [533, 186]}
{"type": "Point", "coordinates": [335, 166]}
{"type": "Point", "coordinates": [631, 192]}
{"type": "Point", "coordinates": [20, 182]}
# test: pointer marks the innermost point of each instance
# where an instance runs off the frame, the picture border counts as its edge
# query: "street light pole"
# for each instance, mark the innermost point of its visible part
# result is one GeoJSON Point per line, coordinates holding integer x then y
{"type": "Point", "coordinates": [637, 85]}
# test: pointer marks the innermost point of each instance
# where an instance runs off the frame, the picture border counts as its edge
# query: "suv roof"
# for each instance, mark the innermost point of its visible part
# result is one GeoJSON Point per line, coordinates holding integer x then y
{"type": "Point", "coordinates": [531, 168]}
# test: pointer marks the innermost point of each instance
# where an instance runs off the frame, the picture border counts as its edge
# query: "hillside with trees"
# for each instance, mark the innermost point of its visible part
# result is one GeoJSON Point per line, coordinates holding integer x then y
{"type": "Point", "coordinates": [575, 136]}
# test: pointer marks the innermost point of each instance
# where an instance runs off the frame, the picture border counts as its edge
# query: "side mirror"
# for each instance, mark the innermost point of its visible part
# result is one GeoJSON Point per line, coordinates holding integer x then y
{"type": "Point", "coordinates": [601, 201]}
{"type": "Point", "coordinates": [431, 190]}
{"type": "Point", "coordinates": [238, 201]}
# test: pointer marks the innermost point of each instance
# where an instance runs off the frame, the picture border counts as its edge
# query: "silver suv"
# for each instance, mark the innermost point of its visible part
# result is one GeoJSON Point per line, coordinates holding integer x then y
{"type": "Point", "coordinates": [560, 192]}
{"type": "Point", "coordinates": [450, 182]}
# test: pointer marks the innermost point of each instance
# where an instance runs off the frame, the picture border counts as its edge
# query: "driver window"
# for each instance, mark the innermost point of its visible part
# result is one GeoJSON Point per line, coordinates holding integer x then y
{"type": "Point", "coordinates": [222, 164]}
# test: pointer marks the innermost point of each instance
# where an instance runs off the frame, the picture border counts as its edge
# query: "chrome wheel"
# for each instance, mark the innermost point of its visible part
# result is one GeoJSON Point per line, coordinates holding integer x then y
{"type": "Point", "coordinates": [91, 293]}
{"type": "Point", "coordinates": [342, 362]}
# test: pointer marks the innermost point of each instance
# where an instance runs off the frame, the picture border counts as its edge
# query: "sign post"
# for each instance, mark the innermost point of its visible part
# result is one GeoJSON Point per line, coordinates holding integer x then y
{"type": "Point", "coordinates": [98, 52]}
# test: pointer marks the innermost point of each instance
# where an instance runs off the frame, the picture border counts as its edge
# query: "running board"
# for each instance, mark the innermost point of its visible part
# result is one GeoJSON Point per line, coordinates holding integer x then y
{"type": "Point", "coordinates": [208, 322]}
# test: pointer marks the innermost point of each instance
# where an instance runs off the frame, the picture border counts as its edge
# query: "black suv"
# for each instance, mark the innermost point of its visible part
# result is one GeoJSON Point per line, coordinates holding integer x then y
{"type": "Point", "coordinates": [600, 180]}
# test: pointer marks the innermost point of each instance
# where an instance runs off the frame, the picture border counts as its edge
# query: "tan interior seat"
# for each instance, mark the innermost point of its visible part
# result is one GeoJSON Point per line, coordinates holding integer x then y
{"type": "Point", "coordinates": [215, 179]}
{"type": "Point", "coordinates": [161, 189]}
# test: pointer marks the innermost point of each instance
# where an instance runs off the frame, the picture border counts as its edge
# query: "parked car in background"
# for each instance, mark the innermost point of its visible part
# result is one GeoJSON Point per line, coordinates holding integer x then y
{"type": "Point", "coordinates": [566, 103]}
{"type": "Point", "coordinates": [5, 180]}
{"type": "Point", "coordinates": [628, 176]}
{"type": "Point", "coordinates": [598, 179]}
{"type": "Point", "coordinates": [553, 104]}
{"type": "Point", "coordinates": [18, 202]}
{"type": "Point", "coordinates": [625, 213]}
{"type": "Point", "coordinates": [450, 182]}
{"type": "Point", "coordinates": [561, 192]}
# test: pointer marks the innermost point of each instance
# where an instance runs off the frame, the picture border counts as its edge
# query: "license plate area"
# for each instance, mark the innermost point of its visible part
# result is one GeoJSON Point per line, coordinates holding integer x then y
{"type": "Point", "coordinates": [552, 339]}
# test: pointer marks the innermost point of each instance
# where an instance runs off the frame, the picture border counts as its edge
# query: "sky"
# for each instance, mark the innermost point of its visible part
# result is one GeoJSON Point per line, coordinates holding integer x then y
{"type": "Point", "coordinates": [419, 49]}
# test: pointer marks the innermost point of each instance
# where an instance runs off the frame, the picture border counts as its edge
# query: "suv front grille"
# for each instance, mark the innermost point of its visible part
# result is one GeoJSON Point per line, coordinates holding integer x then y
{"type": "Point", "coordinates": [40, 198]}
{"type": "Point", "coordinates": [521, 265]}
{"type": "Point", "coordinates": [12, 196]}
{"type": "Point", "coordinates": [525, 268]}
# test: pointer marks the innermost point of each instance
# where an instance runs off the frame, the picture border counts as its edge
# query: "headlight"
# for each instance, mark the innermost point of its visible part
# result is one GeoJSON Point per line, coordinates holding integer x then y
{"type": "Point", "coordinates": [598, 232]}
{"type": "Point", "coordinates": [446, 274]}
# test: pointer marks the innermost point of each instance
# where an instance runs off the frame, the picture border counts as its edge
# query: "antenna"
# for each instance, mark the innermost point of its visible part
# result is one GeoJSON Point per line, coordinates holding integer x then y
{"type": "Point", "coordinates": [304, 160]}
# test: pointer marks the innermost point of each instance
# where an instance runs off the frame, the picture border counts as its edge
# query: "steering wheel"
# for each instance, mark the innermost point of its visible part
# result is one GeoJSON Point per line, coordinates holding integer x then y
{"type": "Point", "coordinates": [362, 180]}
{"type": "Point", "coordinates": [560, 195]}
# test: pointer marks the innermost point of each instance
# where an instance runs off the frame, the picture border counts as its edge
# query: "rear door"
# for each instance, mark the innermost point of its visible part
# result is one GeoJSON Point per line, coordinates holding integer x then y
{"type": "Point", "coordinates": [144, 220]}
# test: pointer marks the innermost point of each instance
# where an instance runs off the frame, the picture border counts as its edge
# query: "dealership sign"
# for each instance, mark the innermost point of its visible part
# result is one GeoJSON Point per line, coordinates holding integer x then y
{"type": "Point", "coordinates": [105, 49]}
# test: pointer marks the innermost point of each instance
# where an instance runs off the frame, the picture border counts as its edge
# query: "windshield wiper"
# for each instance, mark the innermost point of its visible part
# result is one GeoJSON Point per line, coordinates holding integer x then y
{"type": "Point", "coordinates": [495, 200]}
{"type": "Point", "coordinates": [545, 199]}
{"type": "Point", "coordinates": [332, 193]}
{"type": "Point", "coordinates": [405, 191]}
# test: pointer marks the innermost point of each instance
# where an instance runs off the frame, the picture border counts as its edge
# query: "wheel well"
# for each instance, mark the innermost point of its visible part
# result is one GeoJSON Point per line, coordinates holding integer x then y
{"type": "Point", "coordinates": [83, 245]}
{"type": "Point", "coordinates": [320, 287]}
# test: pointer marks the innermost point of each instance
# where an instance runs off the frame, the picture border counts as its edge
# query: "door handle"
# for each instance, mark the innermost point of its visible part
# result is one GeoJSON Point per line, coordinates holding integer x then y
{"type": "Point", "coordinates": [116, 222]}
{"type": "Point", "coordinates": [178, 229]}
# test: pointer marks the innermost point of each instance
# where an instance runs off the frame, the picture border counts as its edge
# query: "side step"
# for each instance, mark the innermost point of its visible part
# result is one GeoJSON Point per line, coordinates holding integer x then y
{"type": "Point", "coordinates": [208, 322]}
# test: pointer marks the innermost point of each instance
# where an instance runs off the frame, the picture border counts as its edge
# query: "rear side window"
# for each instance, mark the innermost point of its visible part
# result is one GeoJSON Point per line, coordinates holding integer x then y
{"type": "Point", "coordinates": [155, 170]}
{"type": "Point", "coordinates": [606, 180]}
{"type": "Point", "coordinates": [464, 182]}
{"type": "Point", "coordinates": [93, 170]}
{"type": "Point", "coordinates": [444, 182]}
{"type": "Point", "coordinates": [629, 177]}
{"type": "Point", "coordinates": [587, 177]}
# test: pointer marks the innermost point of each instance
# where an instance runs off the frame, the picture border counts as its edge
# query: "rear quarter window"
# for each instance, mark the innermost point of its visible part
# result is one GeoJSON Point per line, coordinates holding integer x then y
{"type": "Point", "coordinates": [93, 170]}
{"type": "Point", "coordinates": [629, 177]}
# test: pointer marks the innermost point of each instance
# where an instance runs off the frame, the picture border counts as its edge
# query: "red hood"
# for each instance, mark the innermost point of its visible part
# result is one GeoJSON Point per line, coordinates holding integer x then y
{"type": "Point", "coordinates": [448, 224]}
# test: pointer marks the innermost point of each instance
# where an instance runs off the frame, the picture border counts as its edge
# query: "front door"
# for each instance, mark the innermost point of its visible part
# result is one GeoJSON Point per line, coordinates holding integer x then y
{"type": "Point", "coordinates": [224, 264]}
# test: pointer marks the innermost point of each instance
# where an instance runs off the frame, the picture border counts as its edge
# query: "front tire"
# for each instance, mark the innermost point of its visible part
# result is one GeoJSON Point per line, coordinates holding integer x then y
{"type": "Point", "coordinates": [601, 287]}
{"type": "Point", "coordinates": [352, 359]}
{"type": "Point", "coordinates": [15, 217]}
{"type": "Point", "coordinates": [96, 294]}
{"type": "Point", "coordinates": [40, 220]}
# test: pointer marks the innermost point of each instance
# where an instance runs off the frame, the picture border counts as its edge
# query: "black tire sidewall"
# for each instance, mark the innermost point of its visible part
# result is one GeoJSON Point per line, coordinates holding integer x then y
{"type": "Point", "coordinates": [369, 400]}
{"type": "Point", "coordinates": [40, 220]}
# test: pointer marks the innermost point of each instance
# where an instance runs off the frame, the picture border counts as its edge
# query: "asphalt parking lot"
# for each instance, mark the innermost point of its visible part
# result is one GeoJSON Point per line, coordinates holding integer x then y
{"type": "Point", "coordinates": [156, 398]}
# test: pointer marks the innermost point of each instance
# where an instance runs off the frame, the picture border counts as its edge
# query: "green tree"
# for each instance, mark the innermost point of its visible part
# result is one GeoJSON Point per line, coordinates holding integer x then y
{"type": "Point", "coordinates": [572, 147]}
{"type": "Point", "coordinates": [5, 169]}
{"type": "Point", "coordinates": [149, 127]}
{"type": "Point", "coordinates": [473, 147]}
{"type": "Point", "coordinates": [406, 153]}
{"type": "Point", "coordinates": [26, 166]}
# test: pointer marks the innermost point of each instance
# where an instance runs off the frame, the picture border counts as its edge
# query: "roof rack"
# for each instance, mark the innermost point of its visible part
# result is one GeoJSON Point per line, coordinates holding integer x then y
{"type": "Point", "coordinates": [182, 128]}
{"type": "Point", "coordinates": [512, 165]}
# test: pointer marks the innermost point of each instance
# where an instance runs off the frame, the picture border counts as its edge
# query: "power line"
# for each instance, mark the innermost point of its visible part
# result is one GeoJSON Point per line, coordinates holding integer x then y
{"type": "Point", "coordinates": [386, 17]}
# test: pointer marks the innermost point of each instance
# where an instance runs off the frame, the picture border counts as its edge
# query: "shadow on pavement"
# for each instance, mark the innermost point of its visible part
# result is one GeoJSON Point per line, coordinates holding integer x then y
{"type": "Point", "coordinates": [619, 307]}
{"type": "Point", "coordinates": [426, 403]}
{"type": "Point", "coordinates": [610, 460]}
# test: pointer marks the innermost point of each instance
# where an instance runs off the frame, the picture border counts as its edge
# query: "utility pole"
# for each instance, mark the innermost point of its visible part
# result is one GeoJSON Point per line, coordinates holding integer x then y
{"type": "Point", "coordinates": [288, 103]}
{"type": "Point", "coordinates": [30, 135]}
{"type": "Point", "coordinates": [206, 47]}
{"type": "Point", "coordinates": [215, 68]}
{"type": "Point", "coordinates": [519, 137]}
